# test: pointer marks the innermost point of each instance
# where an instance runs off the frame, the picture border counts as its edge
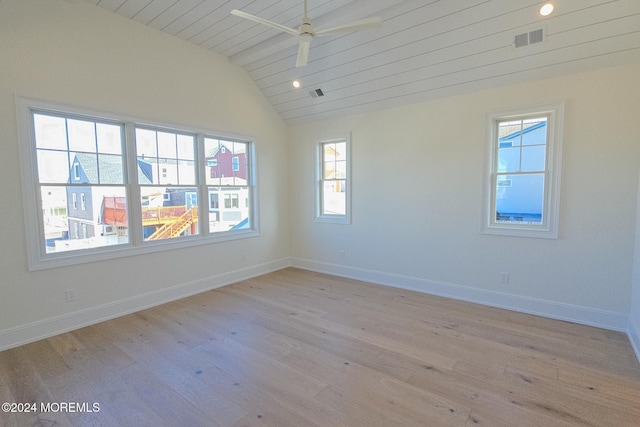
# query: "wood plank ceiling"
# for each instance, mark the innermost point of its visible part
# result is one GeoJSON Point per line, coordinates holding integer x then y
{"type": "Point", "coordinates": [423, 50]}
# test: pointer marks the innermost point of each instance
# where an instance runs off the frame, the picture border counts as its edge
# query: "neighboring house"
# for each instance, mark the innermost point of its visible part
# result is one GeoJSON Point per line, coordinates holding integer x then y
{"type": "Point", "coordinates": [520, 196]}
{"type": "Point", "coordinates": [228, 208]}
{"type": "Point", "coordinates": [177, 205]}
{"type": "Point", "coordinates": [85, 202]}
{"type": "Point", "coordinates": [229, 203]}
{"type": "Point", "coordinates": [223, 162]}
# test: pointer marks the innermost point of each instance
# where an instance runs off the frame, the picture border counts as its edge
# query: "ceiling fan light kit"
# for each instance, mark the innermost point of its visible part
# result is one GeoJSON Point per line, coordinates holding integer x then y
{"type": "Point", "coordinates": [305, 32]}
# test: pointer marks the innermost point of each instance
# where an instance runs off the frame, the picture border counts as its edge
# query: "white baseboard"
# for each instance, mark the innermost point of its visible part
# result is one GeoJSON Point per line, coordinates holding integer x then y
{"type": "Point", "coordinates": [555, 310]}
{"type": "Point", "coordinates": [45, 328]}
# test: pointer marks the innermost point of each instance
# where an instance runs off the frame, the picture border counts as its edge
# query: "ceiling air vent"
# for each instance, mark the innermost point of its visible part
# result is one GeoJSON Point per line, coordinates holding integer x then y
{"type": "Point", "coordinates": [316, 93]}
{"type": "Point", "coordinates": [532, 37]}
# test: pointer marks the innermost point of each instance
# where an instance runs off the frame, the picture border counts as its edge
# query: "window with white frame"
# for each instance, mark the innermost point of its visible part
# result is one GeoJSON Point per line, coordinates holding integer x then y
{"type": "Point", "coordinates": [332, 179]}
{"type": "Point", "coordinates": [86, 168]}
{"type": "Point", "coordinates": [228, 178]}
{"type": "Point", "coordinates": [522, 186]}
{"type": "Point", "coordinates": [168, 179]}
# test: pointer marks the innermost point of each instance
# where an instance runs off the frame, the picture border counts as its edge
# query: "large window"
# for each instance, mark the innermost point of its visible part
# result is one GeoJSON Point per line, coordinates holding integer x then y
{"type": "Point", "coordinates": [523, 180]}
{"type": "Point", "coordinates": [333, 181]}
{"type": "Point", "coordinates": [76, 157]}
{"type": "Point", "coordinates": [98, 186]}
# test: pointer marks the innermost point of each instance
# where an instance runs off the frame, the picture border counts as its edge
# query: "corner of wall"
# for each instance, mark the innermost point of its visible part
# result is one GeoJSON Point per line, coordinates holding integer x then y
{"type": "Point", "coordinates": [633, 329]}
{"type": "Point", "coordinates": [634, 338]}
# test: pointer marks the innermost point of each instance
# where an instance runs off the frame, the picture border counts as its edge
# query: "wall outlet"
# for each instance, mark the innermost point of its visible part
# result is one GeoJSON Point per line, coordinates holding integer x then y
{"type": "Point", "coordinates": [504, 278]}
{"type": "Point", "coordinates": [244, 257]}
{"type": "Point", "coordinates": [70, 295]}
{"type": "Point", "coordinates": [341, 255]}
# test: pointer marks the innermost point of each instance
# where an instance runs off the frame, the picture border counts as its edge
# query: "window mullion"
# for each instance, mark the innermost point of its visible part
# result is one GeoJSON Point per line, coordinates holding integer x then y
{"type": "Point", "coordinates": [134, 208]}
{"type": "Point", "coordinates": [201, 185]}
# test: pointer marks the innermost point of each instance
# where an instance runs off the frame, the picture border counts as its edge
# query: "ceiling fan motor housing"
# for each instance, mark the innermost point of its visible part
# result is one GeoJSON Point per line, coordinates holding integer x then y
{"type": "Point", "coordinates": [306, 28]}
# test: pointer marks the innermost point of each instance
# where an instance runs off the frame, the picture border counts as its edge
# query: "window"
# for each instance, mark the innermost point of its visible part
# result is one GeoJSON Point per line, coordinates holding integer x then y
{"type": "Point", "coordinates": [111, 173]}
{"type": "Point", "coordinates": [228, 178]}
{"type": "Point", "coordinates": [213, 201]}
{"type": "Point", "coordinates": [167, 174]}
{"type": "Point", "coordinates": [332, 184]}
{"type": "Point", "coordinates": [74, 155]}
{"type": "Point", "coordinates": [231, 201]}
{"type": "Point", "coordinates": [523, 181]}
{"type": "Point", "coordinates": [76, 171]}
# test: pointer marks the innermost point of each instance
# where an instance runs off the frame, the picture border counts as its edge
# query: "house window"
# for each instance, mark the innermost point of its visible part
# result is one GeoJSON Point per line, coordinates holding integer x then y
{"type": "Point", "coordinates": [76, 171]}
{"type": "Point", "coordinates": [231, 201]}
{"type": "Point", "coordinates": [333, 181]}
{"type": "Point", "coordinates": [213, 201]}
{"type": "Point", "coordinates": [110, 160]}
{"type": "Point", "coordinates": [523, 179]}
{"type": "Point", "coordinates": [236, 163]}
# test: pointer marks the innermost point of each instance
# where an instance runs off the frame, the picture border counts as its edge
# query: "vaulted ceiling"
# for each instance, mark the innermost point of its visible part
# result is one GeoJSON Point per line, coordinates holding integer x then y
{"type": "Point", "coordinates": [423, 49]}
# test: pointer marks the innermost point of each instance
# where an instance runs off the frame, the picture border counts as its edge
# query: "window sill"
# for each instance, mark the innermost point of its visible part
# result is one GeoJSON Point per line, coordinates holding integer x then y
{"type": "Point", "coordinates": [515, 231]}
{"type": "Point", "coordinates": [64, 259]}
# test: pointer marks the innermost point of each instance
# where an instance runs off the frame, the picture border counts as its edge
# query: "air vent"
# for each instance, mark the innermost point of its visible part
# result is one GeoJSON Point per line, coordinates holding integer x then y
{"type": "Point", "coordinates": [532, 37]}
{"type": "Point", "coordinates": [316, 93]}
{"type": "Point", "coordinates": [535, 36]}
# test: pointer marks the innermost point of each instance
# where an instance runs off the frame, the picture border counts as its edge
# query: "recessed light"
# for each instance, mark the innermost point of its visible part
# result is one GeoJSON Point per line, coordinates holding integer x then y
{"type": "Point", "coordinates": [546, 9]}
{"type": "Point", "coordinates": [296, 84]}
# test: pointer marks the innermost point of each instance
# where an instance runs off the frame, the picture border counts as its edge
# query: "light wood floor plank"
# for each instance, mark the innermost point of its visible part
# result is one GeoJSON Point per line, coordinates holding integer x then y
{"type": "Point", "coordinates": [296, 348]}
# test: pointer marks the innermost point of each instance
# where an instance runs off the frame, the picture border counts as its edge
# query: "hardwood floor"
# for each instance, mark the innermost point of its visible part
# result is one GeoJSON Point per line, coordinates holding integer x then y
{"type": "Point", "coordinates": [295, 348]}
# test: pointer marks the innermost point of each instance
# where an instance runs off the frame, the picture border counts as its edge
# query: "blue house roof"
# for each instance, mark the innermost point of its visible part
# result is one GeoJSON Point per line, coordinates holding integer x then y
{"type": "Point", "coordinates": [523, 131]}
{"type": "Point", "coordinates": [105, 169]}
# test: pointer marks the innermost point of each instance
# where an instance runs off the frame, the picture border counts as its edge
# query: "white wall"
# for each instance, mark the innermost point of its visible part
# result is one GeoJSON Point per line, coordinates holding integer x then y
{"type": "Point", "coordinates": [74, 53]}
{"type": "Point", "coordinates": [417, 201]}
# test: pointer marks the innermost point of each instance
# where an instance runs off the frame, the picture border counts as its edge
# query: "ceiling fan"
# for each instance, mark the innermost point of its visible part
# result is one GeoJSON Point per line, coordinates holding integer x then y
{"type": "Point", "coordinates": [306, 33]}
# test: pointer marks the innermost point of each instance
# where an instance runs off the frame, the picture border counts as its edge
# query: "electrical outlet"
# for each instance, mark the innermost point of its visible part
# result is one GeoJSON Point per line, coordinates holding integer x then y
{"type": "Point", "coordinates": [341, 255]}
{"type": "Point", "coordinates": [70, 295]}
{"type": "Point", "coordinates": [504, 278]}
{"type": "Point", "coordinates": [244, 257]}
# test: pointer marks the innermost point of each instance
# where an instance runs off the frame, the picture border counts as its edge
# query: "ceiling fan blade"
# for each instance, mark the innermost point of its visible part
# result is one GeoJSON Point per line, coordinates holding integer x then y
{"type": "Point", "coordinates": [357, 25]}
{"type": "Point", "coordinates": [303, 50]}
{"type": "Point", "coordinates": [259, 20]}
